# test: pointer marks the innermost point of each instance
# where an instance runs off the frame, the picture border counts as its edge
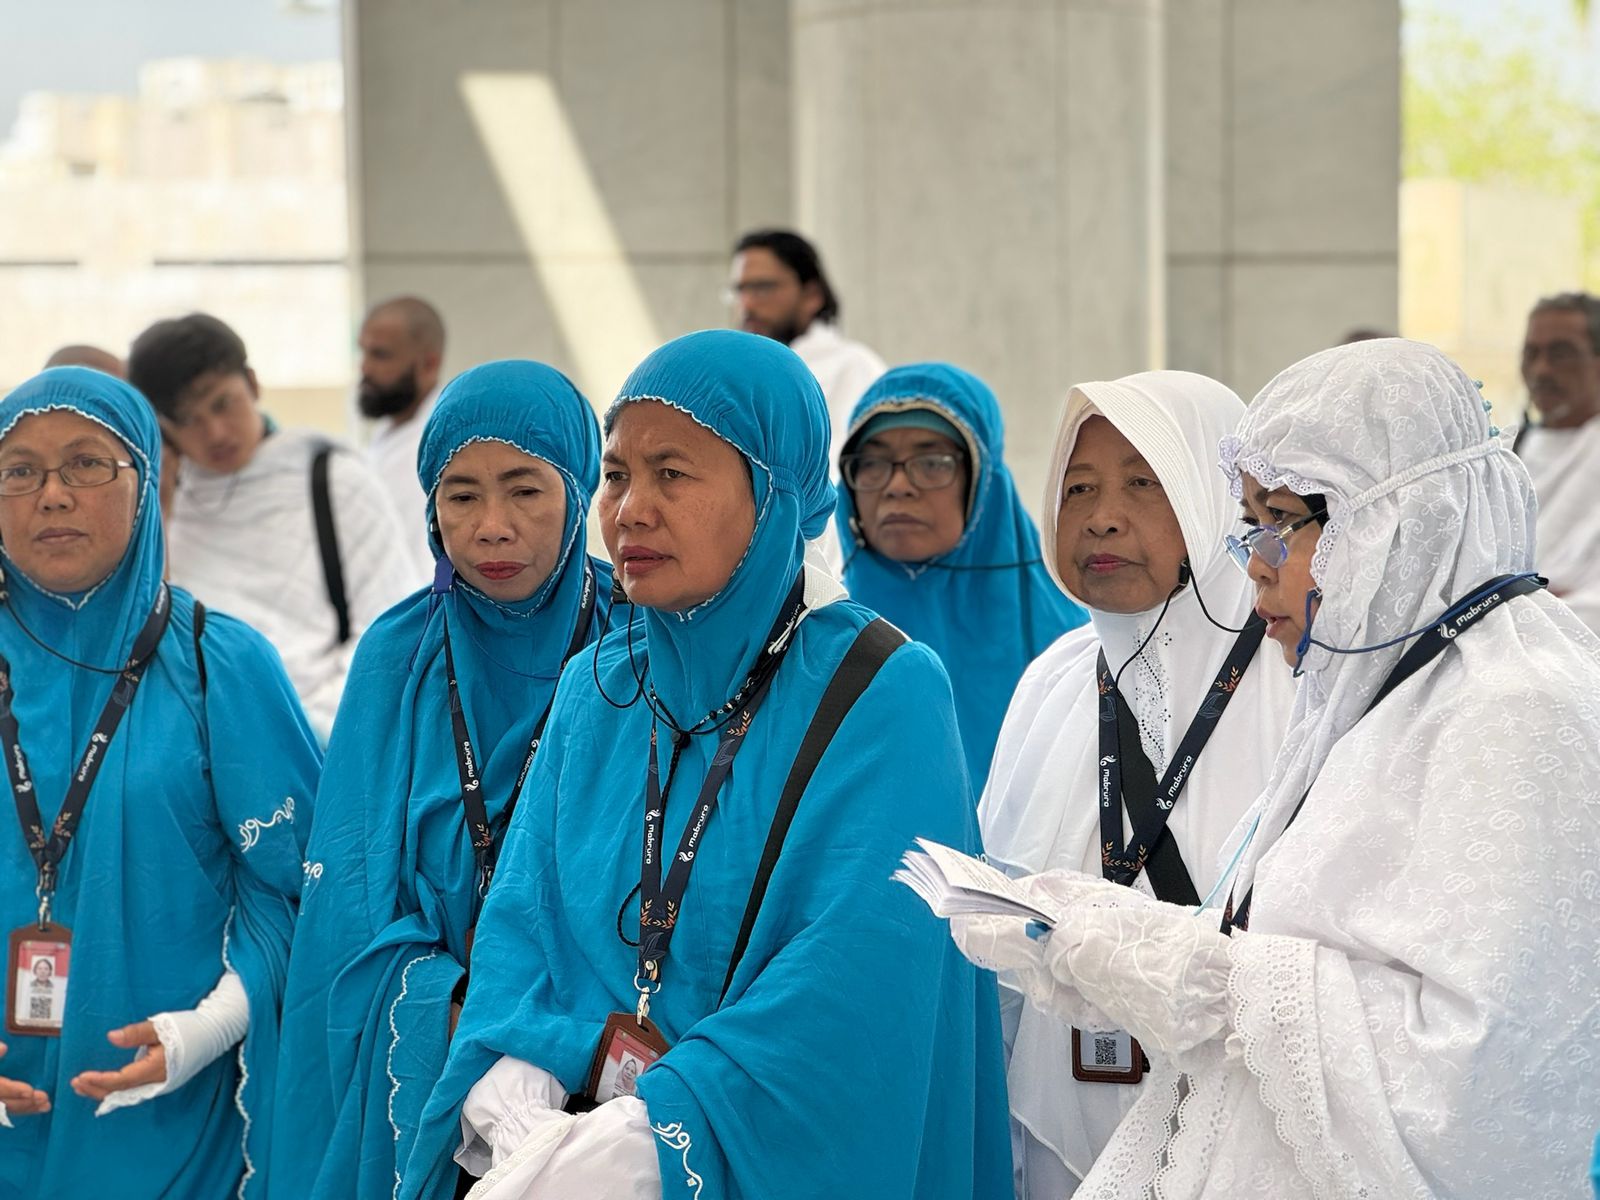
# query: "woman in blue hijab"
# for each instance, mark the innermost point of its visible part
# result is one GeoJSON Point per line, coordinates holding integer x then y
{"type": "Point", "coordinates": [164, 771]}
{"type": "Point", "coordinates": [722, 1040]}
{"type": "Point", "coordinates": [941, 544]}
{"type": "Point", "coordinates": [422, 774]}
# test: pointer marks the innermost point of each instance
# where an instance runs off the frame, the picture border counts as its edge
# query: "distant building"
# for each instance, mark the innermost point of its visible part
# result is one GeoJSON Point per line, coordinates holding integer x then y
{"type": "Point", "coordinates": [219, 186]}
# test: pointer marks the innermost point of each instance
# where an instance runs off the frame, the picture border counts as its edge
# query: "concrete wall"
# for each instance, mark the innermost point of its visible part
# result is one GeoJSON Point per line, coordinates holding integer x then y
{"type": "Point", "coordinates": [563, 178]}
{"type": "Point", "coordinates": [1283, 169]}
{"type": "Point", "coordinates": [1042, 190]}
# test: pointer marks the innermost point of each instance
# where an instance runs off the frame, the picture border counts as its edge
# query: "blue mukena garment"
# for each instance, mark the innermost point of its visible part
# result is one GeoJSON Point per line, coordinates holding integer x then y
{"type": "Point", "coordinates": [188, 858]}
{"type": "Point", "coordinates": [392, 886]}
{"type": "Point", "coordinates": [988, 607]}
{"type": "Point", "coordinates": [855, 1053]}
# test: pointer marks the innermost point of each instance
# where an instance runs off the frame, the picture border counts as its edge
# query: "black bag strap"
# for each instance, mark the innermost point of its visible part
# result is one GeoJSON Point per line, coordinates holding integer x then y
{"type": "Point", "coordinates": [1165, 868]}
{"type": "Point", "coordinates": [328, 540]}
{"type": "Point", "coordinates": [860, 665]}
{"type": "Point", "coordinates": [199, 652]}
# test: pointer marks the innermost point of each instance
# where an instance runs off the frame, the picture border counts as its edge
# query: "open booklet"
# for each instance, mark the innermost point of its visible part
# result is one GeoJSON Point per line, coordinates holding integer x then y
{"type": "Point", "coordinates": [954, 884]}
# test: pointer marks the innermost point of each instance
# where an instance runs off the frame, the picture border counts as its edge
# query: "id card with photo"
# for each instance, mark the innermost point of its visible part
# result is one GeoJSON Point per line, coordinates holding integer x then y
{"type": "Point", "coordinates": [627, 1049]}
{"type": "Point", "coordinates": [36, 980]}
{"type": "Point", "coordinates": [1109, 1056]}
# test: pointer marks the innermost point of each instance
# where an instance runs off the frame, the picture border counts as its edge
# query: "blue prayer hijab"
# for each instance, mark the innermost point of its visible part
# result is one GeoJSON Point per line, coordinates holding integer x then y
{"type": "Point", "coordinates": [187, 860]}
{"type": "Point", "coordinates": [394, 887]}
{"type": "Point", "coordinates": [848, 985]}
{"type": "Point", "coordinates": [988, 607]}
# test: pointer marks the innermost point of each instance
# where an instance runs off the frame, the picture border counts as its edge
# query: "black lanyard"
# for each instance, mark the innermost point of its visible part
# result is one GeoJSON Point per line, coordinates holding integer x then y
{"type": "Point", "coordinates": [479, 831]}
{"type": "Point", "coordinates": [49, 848]}
{"type": "Point", "coordinates": [660, 902]}
{"type": "Point", "coordinates": [1428, 646]}
{"type": "Point", "coordinates": [1123, 864]}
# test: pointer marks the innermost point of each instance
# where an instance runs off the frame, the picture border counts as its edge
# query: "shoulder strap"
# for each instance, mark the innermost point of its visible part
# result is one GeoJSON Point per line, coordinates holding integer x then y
{"type": "Point", "coordinates": [328, 541]}
{"type": "Point", "coordinates": [199, 651]}
{"type": "Point", "coordinates": [1165, 868]}
{"type": "Point", "coordinates": [861, 663]}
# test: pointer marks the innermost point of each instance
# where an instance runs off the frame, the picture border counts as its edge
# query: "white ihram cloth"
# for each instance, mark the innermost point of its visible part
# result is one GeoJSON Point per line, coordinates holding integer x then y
{"type": "Point", "coordinates": [1565, 465]}
{"type": "Point", "coordinates": [844, 370]}
{"type": "Point", "coordinates": [1413, 1010]}
{"type": "Point", "coordinates": [1040, 810]}
{"type": "Point", "coordinates": [246, 544]}
{"type": "Point", "coordinates": [392, 455]}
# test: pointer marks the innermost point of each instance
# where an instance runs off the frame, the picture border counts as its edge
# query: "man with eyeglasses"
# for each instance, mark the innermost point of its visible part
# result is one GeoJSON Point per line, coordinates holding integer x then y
{"type": "Point", "coordinates": [778, 289]}
{"type": "Point", "coordinates": [1560, 443]}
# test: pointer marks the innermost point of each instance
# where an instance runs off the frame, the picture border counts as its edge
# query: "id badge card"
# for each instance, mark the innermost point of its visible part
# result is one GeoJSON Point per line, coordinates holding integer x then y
{"type": "Point", "coordinates": [1110, 1056]}
{"type": "Point", "coordinates": [628, 1048]}
{"type": "Point", "coordinates": [37, 966]}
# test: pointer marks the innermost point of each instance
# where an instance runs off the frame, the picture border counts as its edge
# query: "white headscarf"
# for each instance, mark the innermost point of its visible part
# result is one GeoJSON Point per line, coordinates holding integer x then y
{"type": "Point", "coordinates": [1040, 810]}
{"type": "Point", "coordinates": [1424, 504]}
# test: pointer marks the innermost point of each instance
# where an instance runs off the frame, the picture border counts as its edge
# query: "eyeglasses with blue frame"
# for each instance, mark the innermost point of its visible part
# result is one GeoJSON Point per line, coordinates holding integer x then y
{"type": "Point", "coordinates": [1266, 542]}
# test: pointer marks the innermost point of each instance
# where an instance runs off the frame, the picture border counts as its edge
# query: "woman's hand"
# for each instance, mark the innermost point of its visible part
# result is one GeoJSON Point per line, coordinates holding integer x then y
{"type": "Point", "coordinates": [21, 1099]}
{"type": "Point", "coordinates": [150, 1067]}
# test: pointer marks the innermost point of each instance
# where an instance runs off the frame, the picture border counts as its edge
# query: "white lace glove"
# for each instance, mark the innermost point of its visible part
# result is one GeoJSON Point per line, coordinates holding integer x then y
{"type": "Point", "coordinates": [1152, 968]}
{"type": "Point", "coordinates": [1005, 946]}
{"type": "Point", "coordinates": [607, 1154]}
{"type": "Point", "coordinates": [504, 1109]}
{"type": "Point", "coordinates": [193, 1039]}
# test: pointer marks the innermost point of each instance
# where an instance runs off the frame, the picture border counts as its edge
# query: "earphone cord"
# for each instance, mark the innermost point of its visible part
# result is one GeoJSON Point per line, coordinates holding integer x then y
{"type": "Point", "coordinates": [22, 625]}
{"type": "Point", "coordinates": [1207, 612]}
{"type": "Point", "coordinates": [1116, 680]}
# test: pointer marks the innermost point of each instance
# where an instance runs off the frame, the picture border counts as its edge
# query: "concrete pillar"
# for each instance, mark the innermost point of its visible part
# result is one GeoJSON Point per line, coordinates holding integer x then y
{"type": "Point", "coordinates": [563, 178]}
{"type": "Point", "coordinates": [1283, 172]}
{"type": "Point", "coordinates": [985, 182]}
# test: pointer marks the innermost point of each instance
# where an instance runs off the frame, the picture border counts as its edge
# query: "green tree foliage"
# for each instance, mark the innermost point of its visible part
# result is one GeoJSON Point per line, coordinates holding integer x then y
{"type": "Point", "coordinates": [1494, 108]}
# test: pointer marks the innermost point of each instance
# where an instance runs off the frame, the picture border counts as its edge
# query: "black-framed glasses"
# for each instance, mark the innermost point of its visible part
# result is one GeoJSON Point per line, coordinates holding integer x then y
{"type": "Point", "coordinates": [1266, 542]}
{"type": "Point", "coordinates": [927, 472]}
{"type": "Point", "coordinates": [81, 472]}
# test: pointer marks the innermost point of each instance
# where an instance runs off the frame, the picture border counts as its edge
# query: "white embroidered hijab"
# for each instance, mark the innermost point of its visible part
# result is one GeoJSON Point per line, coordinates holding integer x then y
{"type": "Point", "coordinates": [1040, 809]}
{"type": "Point", "coordinates": [1413, 1010]}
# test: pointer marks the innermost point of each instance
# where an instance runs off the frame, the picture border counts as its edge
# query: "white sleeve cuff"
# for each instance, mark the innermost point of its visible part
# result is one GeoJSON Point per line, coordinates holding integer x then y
{"type": "Point", "coordinates": [193, 1039]}
{"type": "Point", "coordinates": [511, 1101]}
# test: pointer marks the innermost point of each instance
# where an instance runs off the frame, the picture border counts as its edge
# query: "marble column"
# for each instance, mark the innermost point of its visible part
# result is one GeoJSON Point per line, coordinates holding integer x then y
{"type": "Point", "coordinates": [985, 181]}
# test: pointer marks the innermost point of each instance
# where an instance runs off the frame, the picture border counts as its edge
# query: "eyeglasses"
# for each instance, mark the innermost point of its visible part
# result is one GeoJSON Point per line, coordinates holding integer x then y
{"type": "Point", "coordinates": [927, 472]}
{"type": "Point", "coordinates": [753, 289]}
{"type": "Point", "coordinates": [81, 472]}
{"type": "Point", "coordinates": [1266, 542]}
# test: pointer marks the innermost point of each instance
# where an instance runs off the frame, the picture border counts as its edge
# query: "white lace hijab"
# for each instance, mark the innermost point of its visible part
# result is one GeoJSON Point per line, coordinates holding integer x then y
{"type": "Point", "coordinates": [1424, 504]}
{"type": "Point", "coordinates": [1414, 1009]}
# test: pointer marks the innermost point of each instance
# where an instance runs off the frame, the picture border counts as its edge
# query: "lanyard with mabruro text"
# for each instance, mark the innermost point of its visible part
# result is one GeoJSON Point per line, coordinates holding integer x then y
{"type": "Point", "coordinates": [479, 831]}
{"type": "Point", "coordinates": [661, 900]}
{"type": "Point", "coordinates": [1123, 864]}
{"type": "Point", "coordinates": [1439, 636]}
{"type": "Point", "coordinates": [49, 847]}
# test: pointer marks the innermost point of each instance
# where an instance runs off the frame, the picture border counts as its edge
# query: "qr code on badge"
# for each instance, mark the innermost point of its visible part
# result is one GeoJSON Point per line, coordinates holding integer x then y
{"type": "Point", "coordinates": [1105, 1050]}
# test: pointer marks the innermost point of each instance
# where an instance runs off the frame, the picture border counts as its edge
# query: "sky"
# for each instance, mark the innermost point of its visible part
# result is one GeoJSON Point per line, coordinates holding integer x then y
{"type": "Point", "coordinates": [98, 45]}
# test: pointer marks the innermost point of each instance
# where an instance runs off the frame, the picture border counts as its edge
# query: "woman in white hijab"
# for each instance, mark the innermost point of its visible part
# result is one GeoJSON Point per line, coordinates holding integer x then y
{"type": "Point", "coordinates": [1413, 1009]}
{"type": "Point", "coordinates": [1134, 517]}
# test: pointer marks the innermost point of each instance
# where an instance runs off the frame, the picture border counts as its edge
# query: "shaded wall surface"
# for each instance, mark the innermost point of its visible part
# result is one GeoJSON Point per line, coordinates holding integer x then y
{"type": "Point", "coordinates": [1043, 191]}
